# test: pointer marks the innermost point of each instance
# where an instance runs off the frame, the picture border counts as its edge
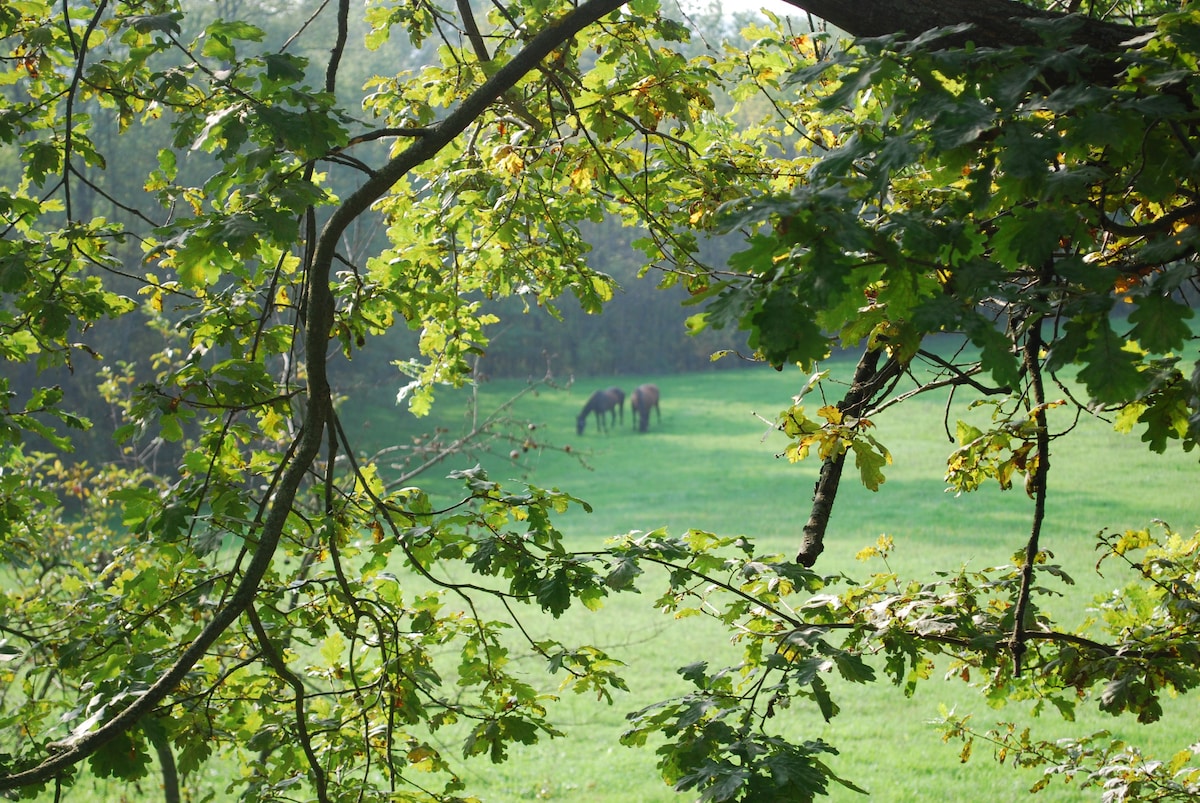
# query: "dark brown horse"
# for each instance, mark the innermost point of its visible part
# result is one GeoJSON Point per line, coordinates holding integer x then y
{"type": "Point", "coordinates": [601, 403]}
{"type": "Point", "coordinates": [619, 395]}
{"type": "Point", "coordinates": [640, 401]}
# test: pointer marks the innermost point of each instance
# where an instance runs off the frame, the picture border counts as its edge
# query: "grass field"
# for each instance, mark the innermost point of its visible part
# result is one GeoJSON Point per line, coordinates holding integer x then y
{"type": "Point", "coordinates": [710, 464]}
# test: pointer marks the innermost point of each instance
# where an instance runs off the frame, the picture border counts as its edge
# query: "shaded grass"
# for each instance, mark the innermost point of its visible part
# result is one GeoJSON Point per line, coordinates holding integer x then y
{"type": "Point", "coordinates": [711, 465]}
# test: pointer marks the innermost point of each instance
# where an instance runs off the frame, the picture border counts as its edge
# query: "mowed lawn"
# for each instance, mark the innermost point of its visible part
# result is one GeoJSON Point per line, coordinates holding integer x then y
{"type": "Point", "coordinates": [711, 464]}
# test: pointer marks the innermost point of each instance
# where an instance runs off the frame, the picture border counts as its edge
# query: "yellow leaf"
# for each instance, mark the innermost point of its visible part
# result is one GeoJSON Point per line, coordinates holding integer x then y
{"type": "Point", "coordinates": [271, 423]}
{"type": "Point", "coordinates": [422, 757]}
{"type": "Point", "coordinates": [866, 553]}
{"type": "Point", "coordinates": [511, 163]}
{"type": "Point", "coordinates": [831, 414]}
{"type": "Point", "coordinates": [581, 178]}
{"type": "Point", "coordinates": [831, 446]}
{"type": "Point", "coordinates": [1178, 761]}
{"type": "Point", "coordinates": [1132, 539]}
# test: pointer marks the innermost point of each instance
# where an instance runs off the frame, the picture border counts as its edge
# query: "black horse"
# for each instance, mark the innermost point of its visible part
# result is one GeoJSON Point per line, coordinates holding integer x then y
{"type": "Point", "coordinates": [600, 403]}
{"type": "Point", "coordinates": [640, 401]}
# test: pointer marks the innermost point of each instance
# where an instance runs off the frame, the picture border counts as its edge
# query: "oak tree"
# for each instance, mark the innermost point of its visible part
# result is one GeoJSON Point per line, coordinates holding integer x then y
{"type": "Point", "coordinates": [1018, 176]}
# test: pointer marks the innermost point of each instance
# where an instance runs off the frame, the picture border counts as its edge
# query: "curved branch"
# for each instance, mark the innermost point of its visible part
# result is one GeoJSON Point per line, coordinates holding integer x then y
{"type": "Point", "coordinates": [443, 133]}
{"type": "Point", "coordinates": [77, 748]}
{"type": "Point", "coordinates": [994, 23]}
{"type": "Point", "coordinates": [166, 760]}
{"type": "Point", "coordinates": [1160, 225]}
{"type": "Point", "coordinates": [472, 30]}
{"type": "Point", "coordinates": [319, 407]}
{"type": "Point", "coordinates": [80, 52]}
{"type": "Point", "coordinates": [288, 676]}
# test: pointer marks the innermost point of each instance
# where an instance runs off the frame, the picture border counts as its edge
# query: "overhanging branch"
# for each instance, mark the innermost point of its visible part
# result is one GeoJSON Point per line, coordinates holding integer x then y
{"type": "Point", "coordinates": [995, 23]}
{"type": "Point", "coordinates": [307, 446]}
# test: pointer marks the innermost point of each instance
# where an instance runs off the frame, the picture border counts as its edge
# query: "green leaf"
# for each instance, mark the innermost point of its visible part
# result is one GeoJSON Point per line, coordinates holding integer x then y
{"type": "Point", "coordinates": [852, 667]}
{"type": "Point", "coordinates": [1166, 419]}
{"type": "Point", "coordinates": [1064, 351]}
{"type": "Point", "coordinates": [284, 67]}
{"type": "Point", "coordinates": [147, 23]}
{"type": "Point", "coordinates": [1110, 372]}
{"type": "Point", "coordinates": [870, 460]}
{"type": "Point", "coordinates": [1030, 236]}
{"type": "Point", "coordinates": [829, 709]}
{"type": "Point", "coordinates": [784, 331]}
{"type": "Point", "coordinates": [554, 592]}
{"type": "Point", "coordinates": [1160, 322]}
{"type": "Point", "coordinates": [726, 787]}
{"type": "Point", "coordinates": [622, 576]}
{"type": "Point", "coordinates": [42, 158]}
{"type": "Point", "coordinates": [996, 350]}
{"type": "Point", "coordinates": [122, 757]}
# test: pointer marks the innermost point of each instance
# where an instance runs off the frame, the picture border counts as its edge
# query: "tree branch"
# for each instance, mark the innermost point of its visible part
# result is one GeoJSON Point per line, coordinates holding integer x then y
{"type": "Point", "coordinates": [1036, 485]}
{"type": "Point", "coordinates": [443, 133]}
{"type": "Point", "coordinates": [472, 31]}
{"type": "Point", "coordinates": [307, 447]}
{"type": "Point", "coordinates": [301, 694]}
{"type": "Point", "coordinates": [994, 23]}
{"type": "Point", "coordinates": [867, 381]}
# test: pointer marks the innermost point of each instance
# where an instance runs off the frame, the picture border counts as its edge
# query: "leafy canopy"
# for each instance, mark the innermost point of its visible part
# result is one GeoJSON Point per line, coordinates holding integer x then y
{"type": "Point", "coordinates": [239, 584]}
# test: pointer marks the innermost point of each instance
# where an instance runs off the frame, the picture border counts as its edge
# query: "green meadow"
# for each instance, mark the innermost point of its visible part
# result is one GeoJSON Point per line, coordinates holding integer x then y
{"type": "Point", "coordinates": [712, 464]}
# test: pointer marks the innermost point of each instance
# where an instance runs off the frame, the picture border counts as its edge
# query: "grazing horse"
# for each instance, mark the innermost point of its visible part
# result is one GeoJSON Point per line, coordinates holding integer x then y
{"type": "Point", "coordinates": [640, 401]}
{"type": "Point", "coordinates": [601, 402]}
{"type": "Point", "coordinates": [619, 395]}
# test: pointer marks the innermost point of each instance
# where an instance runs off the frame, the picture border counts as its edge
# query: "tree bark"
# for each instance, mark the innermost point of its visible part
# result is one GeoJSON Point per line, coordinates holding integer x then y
{"type": "Point", "coordinates": [867, 381]}
{"type": "Point", "coordinates": [166, 762]}
{"type": "Point", "coordinates": [995, 23]}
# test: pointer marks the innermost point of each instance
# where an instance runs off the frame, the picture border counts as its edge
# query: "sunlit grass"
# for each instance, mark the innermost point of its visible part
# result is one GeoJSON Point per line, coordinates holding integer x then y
{"type": "Point", "coordinates": [711, 464]}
